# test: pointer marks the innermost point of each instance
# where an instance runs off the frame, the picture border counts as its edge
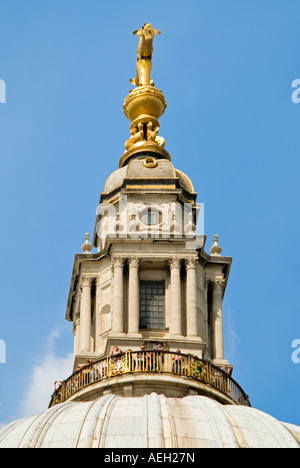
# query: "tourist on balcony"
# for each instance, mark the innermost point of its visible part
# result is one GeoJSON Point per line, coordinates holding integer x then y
{"type": "Point", "coordinates": [158, 359]}
{"type": "Point", "coordinates": [176, 368]}
{"type": "Point", "coordinates": [130, 359]}
{"type": "Point", "coordinates": [116, 351]}
{"type": "Point", "coordinates": [165, 347]}
{"type": "Point", "coordinates": [145, 359]}
{"type": "Point", "coordinates": [87, 372]}
{"type": "Point", "coordinates": [158, 347]}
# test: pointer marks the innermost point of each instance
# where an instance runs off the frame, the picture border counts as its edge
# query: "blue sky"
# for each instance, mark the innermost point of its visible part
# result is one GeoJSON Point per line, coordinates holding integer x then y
{"type": "Point", "coordinates": [226, 68]}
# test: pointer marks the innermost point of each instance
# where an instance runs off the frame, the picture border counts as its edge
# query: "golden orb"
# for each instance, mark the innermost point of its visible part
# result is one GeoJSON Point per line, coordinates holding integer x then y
{"type": "Point", "coordinates": [144, 100]}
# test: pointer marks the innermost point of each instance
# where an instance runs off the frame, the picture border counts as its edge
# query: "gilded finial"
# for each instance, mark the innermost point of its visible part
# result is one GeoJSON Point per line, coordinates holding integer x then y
{"type": "Point", "coordinates": [87, 246]}
{"type": "Point", "coordinates": [145, 104]}
{"type": "Point", "coordinates": [215, 248]}
{"type": "Point", "coordinates": [144, 55]}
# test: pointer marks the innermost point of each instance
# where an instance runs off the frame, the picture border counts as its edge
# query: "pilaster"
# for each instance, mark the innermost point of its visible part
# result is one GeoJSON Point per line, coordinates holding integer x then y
{"type": "Point", "coordinates": [191, 296]}
{"type": "Point", "coordinates": [85, 314]}
{"type": "Point", "coordinates": [175, 325]}
{"type": "Point", "coordinates": [133, 297]}
{"type": "Point", "coordinates": [118, 298]}
{"type": "Point", "coordinates": [217, 321]}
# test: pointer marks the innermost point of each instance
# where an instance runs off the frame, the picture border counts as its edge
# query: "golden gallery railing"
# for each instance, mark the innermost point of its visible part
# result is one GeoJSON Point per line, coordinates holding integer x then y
{"type": "Point", "coordinates": [141, 362]}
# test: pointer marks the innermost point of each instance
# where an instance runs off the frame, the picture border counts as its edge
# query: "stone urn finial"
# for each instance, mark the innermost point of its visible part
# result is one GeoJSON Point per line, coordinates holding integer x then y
{"type": "Point", "coordinates": [215, 248]}
{"type": "Point", "coordinates": [87, 246]}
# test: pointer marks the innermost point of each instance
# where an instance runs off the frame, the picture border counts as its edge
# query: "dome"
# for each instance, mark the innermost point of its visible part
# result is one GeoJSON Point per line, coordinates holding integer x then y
{"type": "Point", "coordinates": [184, 181]}
{"type": "Point", "coordinates": [151, 421]}
{"type": "Point", "coordinates": [147, 168]}
{"type": "Point", "coordinates": [115, 180]}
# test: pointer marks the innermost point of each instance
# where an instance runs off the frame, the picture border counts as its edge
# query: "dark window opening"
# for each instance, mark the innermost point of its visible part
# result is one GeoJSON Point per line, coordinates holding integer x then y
{"type": "Point", "coordinates": [152, 305]}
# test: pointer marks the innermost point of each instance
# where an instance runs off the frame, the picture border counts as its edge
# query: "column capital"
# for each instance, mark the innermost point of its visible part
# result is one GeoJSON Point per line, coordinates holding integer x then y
{"type": "Point", "coordinates": [191, 263]}
{"type": "Point", "coordinates": [174, 262]}
{"type": "Point", "coordinates": [218, 284]}
{"type": "Point", "coordinates": [117, 262]}
{"type": "Point", "coordinates": [134, 262]}
{"type": "Point", "coordinates": [86, 281]}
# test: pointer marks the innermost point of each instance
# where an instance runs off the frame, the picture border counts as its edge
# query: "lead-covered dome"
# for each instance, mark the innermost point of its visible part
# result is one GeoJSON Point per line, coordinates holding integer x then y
{"type": "Point", "coordinates": [147, 168]}
{"type": "Point", "coordinates": [152, 421]}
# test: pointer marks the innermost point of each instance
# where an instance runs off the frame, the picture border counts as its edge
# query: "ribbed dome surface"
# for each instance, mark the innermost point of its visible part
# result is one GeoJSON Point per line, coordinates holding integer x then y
{"type": "Point", "coordinates": [152, 421]}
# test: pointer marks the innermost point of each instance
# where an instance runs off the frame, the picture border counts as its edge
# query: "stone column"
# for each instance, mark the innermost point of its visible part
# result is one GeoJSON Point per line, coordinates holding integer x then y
{"type": "Point", "coordinates": [76, 322]}
{"type": "Point", "coordinates": [207, 337]}
{"type": "Point", "coordinates": [175, 327]}
{"type": "Point", "coordinates": [217, 320]}
{"type": "Point", "coordinates": [97, 314]}
{"type": "Point", "coordinates": [118, 306]}
{"type": "Point", "coordinates": [85, 315]}
{"type": "Point", "coordinates": [76, 331]}
{"type": "Point", "coordinates": [191, 296]}
{"type": "Point", "coordinates": [133, 297]}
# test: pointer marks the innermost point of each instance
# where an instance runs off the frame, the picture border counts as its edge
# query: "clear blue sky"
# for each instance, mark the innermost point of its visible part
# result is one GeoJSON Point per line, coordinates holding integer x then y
{"type": "Point", "coordinates": [226, 68]}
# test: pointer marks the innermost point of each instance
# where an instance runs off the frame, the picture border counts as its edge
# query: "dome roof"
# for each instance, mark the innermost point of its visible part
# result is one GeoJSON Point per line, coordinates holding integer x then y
{"type": "Point", "coordinates": [141, 169]}
{"type": "Point", "coordinates": [150, 421]}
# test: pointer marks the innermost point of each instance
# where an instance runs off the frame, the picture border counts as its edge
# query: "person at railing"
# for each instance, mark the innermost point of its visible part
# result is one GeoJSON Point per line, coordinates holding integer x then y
{"type": "Point", "coordinates": [158, 358]}
{"type": "Point", "coordinates": [158, 347]}
{"type": "Point", "coordinates": [116, 354]}
{"type": "Point", "coordinates": [131, 360]}
{"type": "Point", "coordinates": [86, 363]}
{"type": "Point", "coordinates": [83, 372]}
{"type": "Point", "coordinates": [187, 366]}
{"type": "Point", "coordinates": [116, 351]}
{"type": "Point", "coordinates": [176, 367]}
{"type": "Point", "coordinates": [165, 347]}
{"type": "Point", "coordinates": [144, 359]}
{"type": "Point", "coordinates": [72, 384]}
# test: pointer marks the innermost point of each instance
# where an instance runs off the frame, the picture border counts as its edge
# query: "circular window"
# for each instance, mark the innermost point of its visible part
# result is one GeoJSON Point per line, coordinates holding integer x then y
{"type": "Point", "coordinates": [150, 162]}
